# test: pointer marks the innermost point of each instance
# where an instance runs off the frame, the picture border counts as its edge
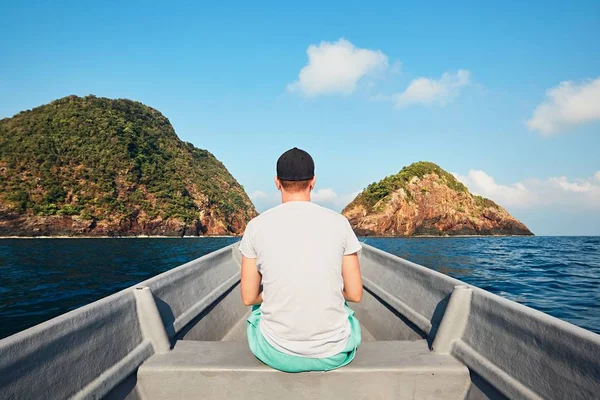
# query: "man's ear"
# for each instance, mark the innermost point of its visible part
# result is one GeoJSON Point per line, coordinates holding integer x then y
{"type": "Point", "coordinates": [277, 183]}
{"type": "Point", "coordinates": [312, 183]}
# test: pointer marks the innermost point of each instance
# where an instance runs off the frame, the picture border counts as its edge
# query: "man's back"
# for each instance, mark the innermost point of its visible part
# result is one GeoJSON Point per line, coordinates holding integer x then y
{"type": "Point", "coordinates": [299, 248]}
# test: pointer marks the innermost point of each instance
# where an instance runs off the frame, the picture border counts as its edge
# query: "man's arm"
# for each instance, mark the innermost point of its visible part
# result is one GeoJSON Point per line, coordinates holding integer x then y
{"type": "Point", "coordinates": [353, 288]}
{"type": "Point", "coordinates": [250, 284]}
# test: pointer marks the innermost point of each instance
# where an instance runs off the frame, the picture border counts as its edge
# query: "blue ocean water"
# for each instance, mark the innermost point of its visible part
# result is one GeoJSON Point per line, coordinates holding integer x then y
{"type": "Point", "coordinates": [43, 278]}
{"type": "Point", "coordinates": [556, 275]}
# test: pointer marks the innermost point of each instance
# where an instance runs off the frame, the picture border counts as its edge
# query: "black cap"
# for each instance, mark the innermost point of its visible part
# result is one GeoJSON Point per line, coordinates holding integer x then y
{"type": "Point", "coordinates": [295, 165]}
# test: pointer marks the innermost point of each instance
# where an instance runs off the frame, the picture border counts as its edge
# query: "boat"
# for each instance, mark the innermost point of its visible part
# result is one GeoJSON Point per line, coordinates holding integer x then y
{"type": "Point", "coordinates": [181, 335]}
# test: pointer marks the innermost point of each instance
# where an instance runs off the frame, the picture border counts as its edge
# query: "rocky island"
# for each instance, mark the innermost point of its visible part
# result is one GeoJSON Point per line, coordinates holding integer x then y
{"type": "Point", "coordinates": [424, 200]}
{"type": "Point", "coordinates": [91, 166]}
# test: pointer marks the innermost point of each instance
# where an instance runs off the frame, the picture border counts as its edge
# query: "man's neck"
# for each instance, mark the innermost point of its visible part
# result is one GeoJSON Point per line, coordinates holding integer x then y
{"type": "Point", "coordinates": [298, 196]}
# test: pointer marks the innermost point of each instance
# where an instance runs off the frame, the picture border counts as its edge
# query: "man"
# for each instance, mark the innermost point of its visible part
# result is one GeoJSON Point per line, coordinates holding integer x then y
{"type": "Point", "coordinates": [304, 258]}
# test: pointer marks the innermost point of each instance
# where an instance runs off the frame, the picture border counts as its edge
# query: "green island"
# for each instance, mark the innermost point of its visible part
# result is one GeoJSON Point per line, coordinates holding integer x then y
{"type": "Point", "coordinates": [97, 166]}
{"type": "Point", "coordinates": [423, 199]}
{"type": "Point", "coordinates": [381, 190]}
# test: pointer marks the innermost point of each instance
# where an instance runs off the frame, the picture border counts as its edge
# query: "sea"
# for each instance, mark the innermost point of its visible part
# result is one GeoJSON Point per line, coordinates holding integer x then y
{"type": "Point", "coordinates": [43, 278]}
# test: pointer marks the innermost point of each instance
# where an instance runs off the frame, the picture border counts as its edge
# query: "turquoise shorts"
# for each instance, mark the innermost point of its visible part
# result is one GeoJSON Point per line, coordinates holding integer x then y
{"type": "Point", "coordinates": [288, 363]}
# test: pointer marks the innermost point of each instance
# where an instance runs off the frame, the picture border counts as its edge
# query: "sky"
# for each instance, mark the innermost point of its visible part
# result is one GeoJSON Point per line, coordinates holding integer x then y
{"type": "Point", "coordinates": [505, 96]}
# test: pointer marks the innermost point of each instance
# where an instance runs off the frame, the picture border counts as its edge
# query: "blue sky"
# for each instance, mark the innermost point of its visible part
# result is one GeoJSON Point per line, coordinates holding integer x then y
{"type": "Point", "coordinates": [505, 96]}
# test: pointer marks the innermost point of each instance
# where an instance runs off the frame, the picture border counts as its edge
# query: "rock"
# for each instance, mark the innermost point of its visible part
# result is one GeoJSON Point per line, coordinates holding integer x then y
{"type": "Point", "coordinates": [91, 166]}
{"type": "Point", "coordinates": [424, 200]}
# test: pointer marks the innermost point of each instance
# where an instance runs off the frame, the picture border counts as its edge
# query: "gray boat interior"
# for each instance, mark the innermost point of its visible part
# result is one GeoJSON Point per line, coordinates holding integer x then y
{"type": "Point", "coordinates": [182, 334]}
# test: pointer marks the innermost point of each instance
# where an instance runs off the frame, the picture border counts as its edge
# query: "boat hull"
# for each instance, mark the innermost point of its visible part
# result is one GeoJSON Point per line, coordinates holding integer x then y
{"type": "Point", "coordinates": [426, 333]}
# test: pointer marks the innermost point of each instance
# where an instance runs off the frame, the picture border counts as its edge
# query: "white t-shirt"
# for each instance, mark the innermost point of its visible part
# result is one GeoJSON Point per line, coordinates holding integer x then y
{"type": "Point", "coordinates": [299, 247]}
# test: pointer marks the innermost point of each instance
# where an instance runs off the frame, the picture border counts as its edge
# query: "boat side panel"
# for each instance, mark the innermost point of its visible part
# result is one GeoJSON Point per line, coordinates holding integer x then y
{"type": "Point", "coordinates": [383, 321]}
{"type": "Point", "coordinates": [520, 352]}
{"type": "Point", "coordinates": [422, 292]}
{"type": "Point", "coordinates": [95, 351]}
{"type": "Point", "coordinates": [521, 349]}
{"type": "Point", "coordinates": [128, 390]}
{"type": "Point", "coordinates": [184, 293]}
{"type": "Point", "coordinates": [64, 355]}
{"type": "Point", "coordinates": [218, 319]}
{"type": "Point", "coordinates": [480, 389]}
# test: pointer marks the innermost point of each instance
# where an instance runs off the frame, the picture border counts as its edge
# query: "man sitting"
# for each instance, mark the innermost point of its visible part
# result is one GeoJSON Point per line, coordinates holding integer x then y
{"type": "Point", "coordinates": [304, 258]}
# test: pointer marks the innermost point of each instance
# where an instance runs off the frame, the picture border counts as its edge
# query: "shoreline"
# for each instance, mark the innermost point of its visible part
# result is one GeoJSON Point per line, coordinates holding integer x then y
{"type": "Point", "coordinates": [442, 236]}
{"type": "Point", "coordinates": [232, 236]}
{"type": "Point", "coordinates": [119, 237]}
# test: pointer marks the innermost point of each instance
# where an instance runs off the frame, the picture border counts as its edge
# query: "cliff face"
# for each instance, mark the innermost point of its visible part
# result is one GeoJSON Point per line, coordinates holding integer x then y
{"type": "Point", "coordinates": [95, 166]}
{"type": "Point", "coordinates": [423, 199]}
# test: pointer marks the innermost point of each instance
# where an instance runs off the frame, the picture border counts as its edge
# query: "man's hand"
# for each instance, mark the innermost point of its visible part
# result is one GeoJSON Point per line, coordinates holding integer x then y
{"type": "Point", "coordinates": [353, 288]}
{"type": "Point", "coordinates": [250, 284]}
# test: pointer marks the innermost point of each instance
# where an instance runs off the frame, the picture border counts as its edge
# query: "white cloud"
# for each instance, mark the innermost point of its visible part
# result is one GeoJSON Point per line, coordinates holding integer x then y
{"type": "Point", "coordinates": [428, 91]}
{"type": "Point", "coordinates": [258, 195]}
{"type": "Point", "coordinates": [480, 183]}
{"type": "Point", "coordinates": [580, 186]}
{"type": "Point", "coordinates": [336, 68]}
{"type": "Point", "coordinates": [566, 105]}
{"type": "Point", "coordinates": [597, 175]}
{"type": "Point", "coordinates": [324, 195]}
{"type": "Point", "coordinates": [554, 191]}
{"type": "Point", "coordinates": [328, 197]}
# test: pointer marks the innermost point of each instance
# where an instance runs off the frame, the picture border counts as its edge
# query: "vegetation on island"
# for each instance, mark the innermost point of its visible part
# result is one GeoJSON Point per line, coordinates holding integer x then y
{"type": "Point", "coordinates": [379, 192]}
{"type": "Point", "coordinates": [96, 158]}
{"type": "Point", "coordinates": [423, 199]}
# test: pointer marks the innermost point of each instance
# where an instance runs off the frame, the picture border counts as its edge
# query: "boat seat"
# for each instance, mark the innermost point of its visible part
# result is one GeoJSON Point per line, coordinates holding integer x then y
{"type": "Point", "coordinates": [228, 370]}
